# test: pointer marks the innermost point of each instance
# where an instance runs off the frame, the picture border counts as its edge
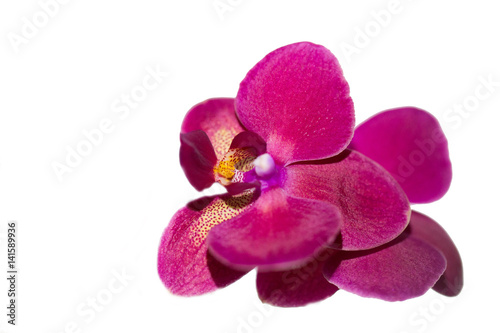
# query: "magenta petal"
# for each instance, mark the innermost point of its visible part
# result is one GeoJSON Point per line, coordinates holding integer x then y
{"type": "Point", "coordinates": [237, 188]}
{"type": "Point", "coordinates": [217, 118]}
{"type": "Point", "coordinates": [184, 264]}
{"type": "Point", "coordinates": [429, 231]}
{"type": "Point", "coordinates": [410, 144]}
{"type": "Point", "coordinates": [275, 233]}
{"type": "Point", "coordinates": [373, 206]}
{"type": "Point", "coordinates": [404, 268]}
{"type": "Point", "coordinates": [297, 100]}
{"type": "Point", "coordinates": [198, 159]}
{"type": "Point", "coordinates": [249, 140]}
{"type": "Point", "coordinates": [296, 287]}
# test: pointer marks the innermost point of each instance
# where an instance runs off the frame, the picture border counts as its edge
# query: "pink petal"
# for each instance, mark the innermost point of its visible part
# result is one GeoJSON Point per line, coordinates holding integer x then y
{"type": "Point", "coordinates": [427, 230]}
{"type": "Point", "coordinates": [198, 159]}
{"type": "Point", "coordinates": [237, 188]}
{"type": "Point", "coordinates": [298, 101]}
{"type": "Point", "coordinates": [373, 206]}
{"type": "Point", "coordinates": [275, 233]}
{"type": "Point", "coordinates": [217, 118]}
{"type": "Point", "coordinates": [184, 264]}
{"type": "Point", "coordinates": [410, 144]}
{"type": "Point", "coordinates": [249, 140]}
{"type": "Point", "coordinates": [296, 287]}
{"type": "Point", "coordinates": [404, 268]}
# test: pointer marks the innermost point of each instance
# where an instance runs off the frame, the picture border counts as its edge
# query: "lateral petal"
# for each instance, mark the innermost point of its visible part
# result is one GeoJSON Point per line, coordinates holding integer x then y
{"type": "Point", "coordinates": [184, 264]}
{"type": "Point", "coordinates": [373, 206]}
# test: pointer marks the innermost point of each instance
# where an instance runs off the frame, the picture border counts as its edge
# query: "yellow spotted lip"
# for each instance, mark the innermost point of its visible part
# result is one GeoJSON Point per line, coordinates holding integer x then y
{"type": "Point", "coordinates": [237, 159]}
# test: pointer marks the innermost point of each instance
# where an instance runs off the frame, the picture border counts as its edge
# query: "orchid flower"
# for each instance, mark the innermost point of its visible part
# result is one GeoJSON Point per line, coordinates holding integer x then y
{"type": "Point", "coordinates": [313, 204]}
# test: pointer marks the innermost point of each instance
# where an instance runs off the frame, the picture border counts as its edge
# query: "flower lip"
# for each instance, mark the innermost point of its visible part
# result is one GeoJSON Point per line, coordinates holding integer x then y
{"type": "Point", "coordinates": [260, 172]}
{"type": "Point", "coordinates": [237, 165]}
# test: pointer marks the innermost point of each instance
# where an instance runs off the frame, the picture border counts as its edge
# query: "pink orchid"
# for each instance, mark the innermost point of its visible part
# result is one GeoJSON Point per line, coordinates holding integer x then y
{"type": "Point", "coordinates": [313, 204]}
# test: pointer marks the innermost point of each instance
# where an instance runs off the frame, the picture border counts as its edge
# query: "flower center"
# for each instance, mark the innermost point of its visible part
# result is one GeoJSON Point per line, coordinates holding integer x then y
{"type": "Point", "coordinates": [235, 162]}
{"type": "Point", "coordinates": [241, 165]}
{"type": "Point", "coordinates": [264, 165]}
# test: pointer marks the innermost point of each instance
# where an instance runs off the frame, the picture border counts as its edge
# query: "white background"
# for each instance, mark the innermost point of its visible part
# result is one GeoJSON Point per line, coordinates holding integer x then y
{"type": "Point", "coordinates": [108, 214]}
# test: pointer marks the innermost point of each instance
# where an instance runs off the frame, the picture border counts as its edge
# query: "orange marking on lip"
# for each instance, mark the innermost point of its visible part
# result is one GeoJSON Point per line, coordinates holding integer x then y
{"type": "Point", "coordinates": [238, 159]}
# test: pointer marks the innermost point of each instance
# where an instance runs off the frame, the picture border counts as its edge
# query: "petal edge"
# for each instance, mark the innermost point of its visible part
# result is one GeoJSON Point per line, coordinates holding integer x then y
{"type": "Point", "coordinates": [402, 269]}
